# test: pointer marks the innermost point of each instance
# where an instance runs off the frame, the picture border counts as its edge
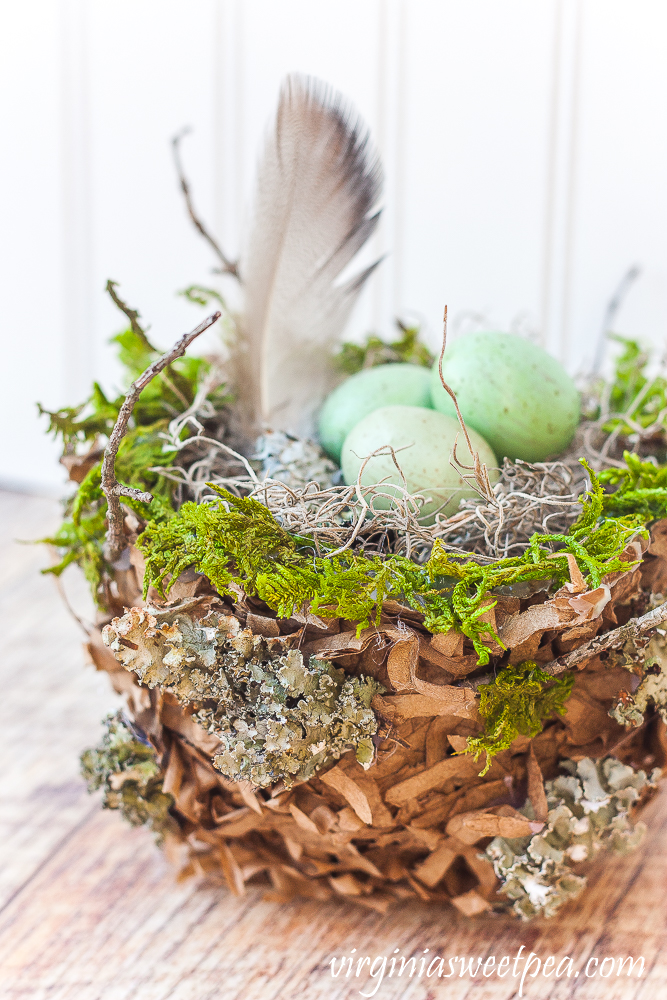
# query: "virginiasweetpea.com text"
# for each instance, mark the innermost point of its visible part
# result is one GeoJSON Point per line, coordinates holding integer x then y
{"type": "Point", "coordinates": [524, 967]}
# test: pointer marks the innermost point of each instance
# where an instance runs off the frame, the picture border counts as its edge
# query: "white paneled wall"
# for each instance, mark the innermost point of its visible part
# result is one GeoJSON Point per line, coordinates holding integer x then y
{"type": "Point", "coordinates": [523, 143]}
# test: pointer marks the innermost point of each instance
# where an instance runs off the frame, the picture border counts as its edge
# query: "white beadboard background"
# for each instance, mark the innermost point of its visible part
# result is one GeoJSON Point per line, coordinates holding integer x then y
{"type": "Point", "coordinates": [524, 146]}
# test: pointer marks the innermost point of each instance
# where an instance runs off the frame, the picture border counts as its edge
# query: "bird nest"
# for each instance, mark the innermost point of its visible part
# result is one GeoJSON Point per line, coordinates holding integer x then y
{"type": "Point", "coordinates": [340, 701]}
{"type": "Point", "coordinates": [334, 760]}
{"type": "Point", "coordinates": [324, 694]}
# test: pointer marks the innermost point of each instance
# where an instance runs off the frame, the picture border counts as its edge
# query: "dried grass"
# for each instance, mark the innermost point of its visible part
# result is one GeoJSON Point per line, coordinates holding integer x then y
{"type": "Point", "coordinates": [540, 497]}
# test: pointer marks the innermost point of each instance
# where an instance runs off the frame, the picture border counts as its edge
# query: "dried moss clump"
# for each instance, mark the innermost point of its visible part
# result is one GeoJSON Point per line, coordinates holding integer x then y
{"type": "Point", "coordinates": [588, 810]}
{"type": "Point", "coordinates": [292, 460]}
{"type": "Point", "coordinates": [275, 716]}
{"type": "Point", "coordinates": [125, 765]}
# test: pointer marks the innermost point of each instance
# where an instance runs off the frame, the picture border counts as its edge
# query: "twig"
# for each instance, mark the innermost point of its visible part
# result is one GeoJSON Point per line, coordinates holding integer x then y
{"type": "Point", "coordinates": [447, 388]}
{"type": "Point", "coordinates": [480, 472]}
{"type": "Point", "coordinates": [86, 627]}
{"type": "Point", "coordinates": [132, 315]}
{"type": "Point", "coordinates": [633, 629]}
{"type": "Point", "coordinates": [138, 330]}
{"type": "Point", "coordinates": [111, 488]}
{"type": "Point", "coordinates": [613, 306]}
{"type": "Point", "coordinates": [228, 266]}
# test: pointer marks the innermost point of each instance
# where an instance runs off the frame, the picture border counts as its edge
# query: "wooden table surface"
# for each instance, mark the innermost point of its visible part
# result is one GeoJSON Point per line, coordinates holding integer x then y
{"type": "Point", "coordinates": [90, 909]}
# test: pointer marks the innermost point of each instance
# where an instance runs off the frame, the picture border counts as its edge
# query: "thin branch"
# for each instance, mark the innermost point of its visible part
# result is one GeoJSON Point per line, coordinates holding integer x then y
{"type": "Point", "coordinates": [633, 629]}
{"type": "Point", "coordinates": [138, 330]}
{"type": "Point", "coordinates": [228, 266]}
{"type": "Point", "coordinates": [87, 628]}
{"type": "Point", "coordinates": [480, 472]}
{"type": "Point", "coordinates": [448, 389]}
{"type": "Point", "coordinates": [613, 306]}
{"type": "Point", "coordinates": [132, 315]}
{"type": "Point", "coordinates": [111, 488]}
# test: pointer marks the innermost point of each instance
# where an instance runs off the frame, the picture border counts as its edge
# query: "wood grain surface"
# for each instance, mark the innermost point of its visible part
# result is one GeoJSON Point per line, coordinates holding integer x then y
{"type": "Point", "coordinates": [90, 909]}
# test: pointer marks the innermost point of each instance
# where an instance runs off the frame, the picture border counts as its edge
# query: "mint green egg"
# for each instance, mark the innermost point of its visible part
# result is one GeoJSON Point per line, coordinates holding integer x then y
{"type": "Point", "coordinates": [426, 439]}
{"type": "Point", "coordinates": [519, 398]}
{"type": "Point", "coordinates": [366, 391]}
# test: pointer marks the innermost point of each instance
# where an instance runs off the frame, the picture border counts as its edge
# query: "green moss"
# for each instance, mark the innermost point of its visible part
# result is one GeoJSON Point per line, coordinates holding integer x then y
{"type": "Point", "coordinates": [80, 538]}
{"type": "Point", "coordinates": [516, 703]}
{"type": "Point", "coordinates": [162, 399]}
{"type": "Point", "coordinates": [629, 373]}
{"type": "Point", "coordinates": [82, 542]}
{"type": "Point", "coordinates": [237, 540]}
{"type": "Point", "coordinates": [202, 296]}
{"type": "Point", "coordinates": [374, 351]}
{"type": "Point", "coordinates": [641, 401]}
{"type": "Point", "coordinates": [639, 489]}
{"type": "Point", "coordinates": [124, 765]}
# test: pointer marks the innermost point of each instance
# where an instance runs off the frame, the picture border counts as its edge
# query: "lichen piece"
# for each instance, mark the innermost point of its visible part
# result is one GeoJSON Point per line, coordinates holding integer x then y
{"type": "Point", "coordinates": [276, 716]}
{"type": "Point", "coordinates": [588, 810]}
{"type": "Point", "coordinates": [125, 765]}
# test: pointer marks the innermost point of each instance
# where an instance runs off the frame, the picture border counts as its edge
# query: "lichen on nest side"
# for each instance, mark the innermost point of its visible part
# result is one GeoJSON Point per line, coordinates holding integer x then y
{"type": "Point", "coordinates": [651, 662]}
{"type": "Point", "coordinates": [589, 809]}
{"type": "Point", "coordinates": [277, 718]}
{"type": "Point", "coordinates": [124, 764]}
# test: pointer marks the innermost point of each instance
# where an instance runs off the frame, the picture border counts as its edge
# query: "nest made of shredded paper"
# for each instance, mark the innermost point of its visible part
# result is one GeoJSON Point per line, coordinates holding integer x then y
{"type": "Point", "coordinates": [364, 789]}
{"type": "Point", "coordinates": [328, 752]}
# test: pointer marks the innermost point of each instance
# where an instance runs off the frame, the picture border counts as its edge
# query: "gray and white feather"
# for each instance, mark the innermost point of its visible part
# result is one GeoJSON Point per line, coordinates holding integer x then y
{"type": "Point", "coordinates": [318, 183]}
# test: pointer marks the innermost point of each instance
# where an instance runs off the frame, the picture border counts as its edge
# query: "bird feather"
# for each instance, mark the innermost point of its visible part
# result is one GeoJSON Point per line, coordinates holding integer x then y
{"type": "Point", "coordinates": [317, 183]}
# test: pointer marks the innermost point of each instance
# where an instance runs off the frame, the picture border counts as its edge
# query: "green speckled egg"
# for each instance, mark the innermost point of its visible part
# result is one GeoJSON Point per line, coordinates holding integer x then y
{"type": "Point", "coordinates": [426, 463]}
{"type": "Point", "coordinates": [519, 398]}
{"type": "Point", "coordinates": [367, 391]}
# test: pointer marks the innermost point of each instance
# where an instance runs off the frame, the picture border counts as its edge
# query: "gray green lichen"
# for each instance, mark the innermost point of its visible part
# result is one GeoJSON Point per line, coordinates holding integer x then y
{"type": "Point", "coordinates": [276, 717]}
{"type": "Point", "coordinates": [125, 766]}
{"type": "Point", "coordinates": [630, 708]}
{"type": "Point", "coordinates": [588, 810]}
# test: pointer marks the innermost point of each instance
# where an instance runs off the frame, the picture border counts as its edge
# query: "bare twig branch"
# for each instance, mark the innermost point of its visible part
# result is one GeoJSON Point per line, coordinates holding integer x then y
{"type": "Point", "coordinates": [613, 306]}
{"type": "Point", "coordinates": [111, 488]}
{"type": "Point", "coordinates": [449, 390]}
{"type": "Point", "coordinates": [87, 627]}
{"type": "Point", "coordinates": [132, 315]}
{"type": "Point", "coordinates": [228, 266]}
{"type": "Point", "coordinates": [138, 330]}
{"type": "Point", "coordinates": [480, 474]}
{"type": "Point", "coordinates": [635, 628]}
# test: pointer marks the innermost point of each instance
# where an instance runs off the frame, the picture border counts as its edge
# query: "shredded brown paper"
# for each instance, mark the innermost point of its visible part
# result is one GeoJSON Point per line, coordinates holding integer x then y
{"type": "Point", "coordinates": [412, 825]}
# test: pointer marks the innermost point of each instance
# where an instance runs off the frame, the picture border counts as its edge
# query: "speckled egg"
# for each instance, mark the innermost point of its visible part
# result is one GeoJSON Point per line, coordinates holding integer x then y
{"type": "Point", "coordinates": [429, 437]}
{"type": "Point", "coordinates": [366, 391]}
{"type": "Point", "coordinates": [519, 398]}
